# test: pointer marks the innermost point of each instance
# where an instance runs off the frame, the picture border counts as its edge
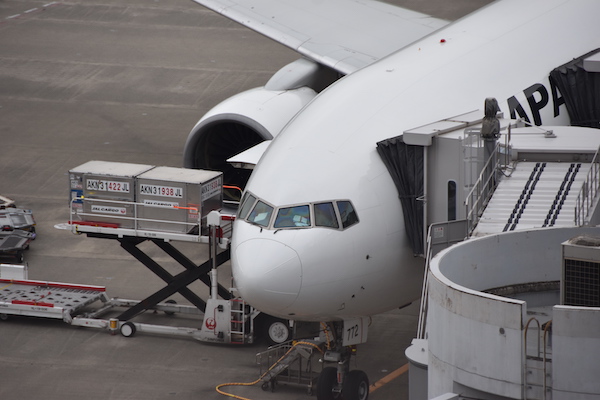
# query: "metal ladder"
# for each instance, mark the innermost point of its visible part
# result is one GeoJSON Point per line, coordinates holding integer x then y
{"type": "Point", "coordinates": [239, 318]}
{"type": "Point", "coordinates": [537, 380]}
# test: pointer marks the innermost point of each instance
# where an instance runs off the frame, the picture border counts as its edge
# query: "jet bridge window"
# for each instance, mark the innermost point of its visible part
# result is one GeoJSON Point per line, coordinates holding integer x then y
{"type": "Point", "coordinates": [451, 201]}
{"type": "Point", "coordinates": [261, 214]}
{"type": "Point", "coordinates": [293, 217]}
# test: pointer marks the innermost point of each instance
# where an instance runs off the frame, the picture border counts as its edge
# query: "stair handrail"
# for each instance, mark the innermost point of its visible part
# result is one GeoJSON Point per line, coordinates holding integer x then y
{"type": "Point", "coordinates": [475, 201]}
{"type": "Point", "coordinates": [588, 192]}
{"type": "Point", "coordinates": [424, 290]}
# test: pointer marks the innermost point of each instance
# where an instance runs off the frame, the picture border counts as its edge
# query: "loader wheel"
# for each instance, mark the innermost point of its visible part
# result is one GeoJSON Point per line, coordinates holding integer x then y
{"type": "Point", "coordinates": [170, 301]}
{"type": "Point", "coordinates": [128, 329]}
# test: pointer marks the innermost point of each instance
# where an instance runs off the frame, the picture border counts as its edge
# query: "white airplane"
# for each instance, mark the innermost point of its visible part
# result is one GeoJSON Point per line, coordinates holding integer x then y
{"type": "Point", "coordinates": [320, 233]}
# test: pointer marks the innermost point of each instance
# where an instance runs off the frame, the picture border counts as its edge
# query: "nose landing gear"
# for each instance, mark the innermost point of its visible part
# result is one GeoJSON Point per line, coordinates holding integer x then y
{"type": "Point", "coordinates": [339, 382]}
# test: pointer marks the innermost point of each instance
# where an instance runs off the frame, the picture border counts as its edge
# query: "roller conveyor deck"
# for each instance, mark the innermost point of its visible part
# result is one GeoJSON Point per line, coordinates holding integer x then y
{"type": "Point", "coordinates": [47, 299]}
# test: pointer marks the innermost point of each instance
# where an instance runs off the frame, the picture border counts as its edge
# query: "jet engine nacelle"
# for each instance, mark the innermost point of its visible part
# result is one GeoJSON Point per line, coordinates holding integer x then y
{"type": "Point", "coordinates": [238, 123]}
{"type": "Point", "coordinates": [259, 114]}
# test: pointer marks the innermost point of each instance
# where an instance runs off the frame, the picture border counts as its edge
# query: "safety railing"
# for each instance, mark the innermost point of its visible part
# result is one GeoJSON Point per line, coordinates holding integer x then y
{"type": "Point", "coordinates": [232, 195]}
{"type": "Point", "coordinates": [290, 363]}
{"type": "Point", "coordinates": [482, 190]}
{"type": "Point", "coordinates": [424, 290]}
{"type": "Point", "coordinates": [440, 236]}
{"type": "Point", "coordinates": [497, 163]}
{"type": "Point", "coordinates": [115, 210]}
{"type": "Point", "coordinates": [589, 191]}
{"type": "Point", "coordinates": [124, 218]}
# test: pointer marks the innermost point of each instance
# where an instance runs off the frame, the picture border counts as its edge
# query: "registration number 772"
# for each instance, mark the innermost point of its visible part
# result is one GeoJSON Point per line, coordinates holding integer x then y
{"type": "Point", "coordinates": [355, 331]}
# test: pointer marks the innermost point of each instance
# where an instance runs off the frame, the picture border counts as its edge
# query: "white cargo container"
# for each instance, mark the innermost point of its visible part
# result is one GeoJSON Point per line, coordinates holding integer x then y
{"type": "Point", "coordinates": [107, 187]}
{"type": "Point", "coordinates": [177, 199]}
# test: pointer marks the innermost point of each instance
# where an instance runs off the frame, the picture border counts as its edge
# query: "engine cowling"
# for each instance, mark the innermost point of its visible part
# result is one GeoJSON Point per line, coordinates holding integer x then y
{"type": "Point", "coordinates": [239, 123]}
{"type": "Point", "coordinates": [259, 114]}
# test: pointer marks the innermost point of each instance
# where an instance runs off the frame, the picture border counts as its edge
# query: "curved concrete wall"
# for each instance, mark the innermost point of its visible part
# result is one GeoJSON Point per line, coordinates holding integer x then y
{"type": "Point", "coordinates": [476, 339]}
{"type": "Point", "coordinates": [576, 353]}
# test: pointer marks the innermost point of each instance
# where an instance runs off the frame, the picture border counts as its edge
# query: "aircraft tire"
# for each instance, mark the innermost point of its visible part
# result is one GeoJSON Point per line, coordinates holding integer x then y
{"type": "Point", "coordinates": [276, 331]}
{"type": "Point", "coordinates": [356, 386]}
{"type": "Point", "coordinates": [325, 384]}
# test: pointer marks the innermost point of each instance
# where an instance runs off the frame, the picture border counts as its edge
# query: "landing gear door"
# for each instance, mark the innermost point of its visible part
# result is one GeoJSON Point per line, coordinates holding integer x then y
{"type": "Point", "coordinates": [355, 331]}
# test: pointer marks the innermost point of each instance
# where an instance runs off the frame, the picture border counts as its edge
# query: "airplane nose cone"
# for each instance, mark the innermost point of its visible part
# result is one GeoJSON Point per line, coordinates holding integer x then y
{"type": "Point", "coordinates": [268, 274]}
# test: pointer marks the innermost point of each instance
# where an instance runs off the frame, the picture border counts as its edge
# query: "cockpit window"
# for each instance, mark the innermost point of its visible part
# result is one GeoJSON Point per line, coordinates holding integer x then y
{"type": "Point", "coordinates": [335, 214]}
{"type": "Point", "coordinates": [261, 214]}
{"type": "Point", "coordinates": [325, 215]}
{"type": "Point", "coordinates": [347, 213]}
{"type": "Point", "coordinates": [246, 204]}
{"type": "Point", "coordinates": [291, 217]}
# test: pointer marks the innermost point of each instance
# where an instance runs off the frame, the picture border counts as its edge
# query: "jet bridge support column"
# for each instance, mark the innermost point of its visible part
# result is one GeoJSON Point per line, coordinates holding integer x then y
{"type": "Point", "coordinates": [177, 283]}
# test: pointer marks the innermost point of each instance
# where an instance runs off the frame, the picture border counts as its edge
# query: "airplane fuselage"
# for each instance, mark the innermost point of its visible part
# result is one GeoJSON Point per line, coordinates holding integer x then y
{"type": "Point", "coordinates": [328, 153]}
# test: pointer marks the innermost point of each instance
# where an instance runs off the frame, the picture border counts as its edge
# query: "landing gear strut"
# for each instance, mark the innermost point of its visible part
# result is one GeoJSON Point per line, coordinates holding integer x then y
{"type": "Point", "coordinates": [339, 382]}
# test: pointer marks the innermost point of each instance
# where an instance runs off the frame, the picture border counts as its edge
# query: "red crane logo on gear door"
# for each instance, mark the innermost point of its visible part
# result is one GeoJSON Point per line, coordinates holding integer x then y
{"type": "Point", "coordinates": [211, 323]}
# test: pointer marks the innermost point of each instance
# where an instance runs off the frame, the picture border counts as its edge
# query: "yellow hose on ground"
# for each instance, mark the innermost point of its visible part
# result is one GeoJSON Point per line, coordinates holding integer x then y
{"type": "Point", "coordinates": [218, 388]}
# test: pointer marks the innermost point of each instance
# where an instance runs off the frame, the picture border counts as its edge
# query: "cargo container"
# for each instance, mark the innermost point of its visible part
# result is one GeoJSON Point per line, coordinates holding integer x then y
{"type": "Point", "coordinates": [177, 199]}
{"type": "Point", "coordinates": [107, 187]}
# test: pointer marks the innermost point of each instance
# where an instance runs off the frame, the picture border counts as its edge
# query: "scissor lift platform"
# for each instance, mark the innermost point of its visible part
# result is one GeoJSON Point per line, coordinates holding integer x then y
{"type": "Point", "coordinates": [222, 322]}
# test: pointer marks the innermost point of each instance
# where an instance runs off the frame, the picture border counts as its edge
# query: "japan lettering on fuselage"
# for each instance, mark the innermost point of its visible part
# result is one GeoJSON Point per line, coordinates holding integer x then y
{"type": "Point", "coordinates": [538, 104]}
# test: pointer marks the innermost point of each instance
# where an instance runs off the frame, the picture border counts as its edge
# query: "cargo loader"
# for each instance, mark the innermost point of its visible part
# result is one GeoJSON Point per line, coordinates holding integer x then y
{"type": "Point", "coordinates": [134, 204]}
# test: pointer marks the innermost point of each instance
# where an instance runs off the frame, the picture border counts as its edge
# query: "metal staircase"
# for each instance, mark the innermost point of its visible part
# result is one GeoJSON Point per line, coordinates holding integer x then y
{"type": "Point", "coordinates": [536, 195]}
{"type": "Point", "coordinates": [290, 364]}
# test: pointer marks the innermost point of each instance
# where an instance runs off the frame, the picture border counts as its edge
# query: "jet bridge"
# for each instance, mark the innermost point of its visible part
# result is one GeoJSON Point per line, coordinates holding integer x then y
{"type": "Point", "coordinates": [535, 177]}
{"type": "Point", "coordinates": [532, 177]}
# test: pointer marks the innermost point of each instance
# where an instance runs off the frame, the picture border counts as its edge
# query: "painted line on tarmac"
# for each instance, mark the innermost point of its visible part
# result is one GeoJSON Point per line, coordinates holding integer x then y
{"type": "Point", "coordinates": [15, 16]}
{"type": "Point", "coordinates": [388, 378]}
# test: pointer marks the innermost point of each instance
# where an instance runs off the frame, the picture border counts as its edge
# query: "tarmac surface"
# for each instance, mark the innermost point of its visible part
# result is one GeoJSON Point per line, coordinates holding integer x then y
{"type": "Point", "coordinates": [126, 81]}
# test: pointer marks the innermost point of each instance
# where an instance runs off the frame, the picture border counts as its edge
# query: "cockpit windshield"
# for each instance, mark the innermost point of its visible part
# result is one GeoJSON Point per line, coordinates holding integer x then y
{"type": "Point", "coordinates": [325, 215]}
{"type": "Point", "coordinates": [347, 213]}
{"type": "Point", "coordinates": [288, 217]}
{"type": "Point", "coordinates": [333, 214]}
{"type": "Point", "coordinates": [261, 214]}
{"type": "Point", "coordinates": [246, 205]}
